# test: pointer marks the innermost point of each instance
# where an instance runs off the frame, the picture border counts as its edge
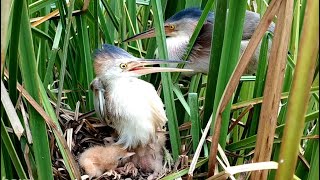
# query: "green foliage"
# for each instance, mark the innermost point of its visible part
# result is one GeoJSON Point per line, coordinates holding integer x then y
{"type": "Point", "coordinates": [53, 61]}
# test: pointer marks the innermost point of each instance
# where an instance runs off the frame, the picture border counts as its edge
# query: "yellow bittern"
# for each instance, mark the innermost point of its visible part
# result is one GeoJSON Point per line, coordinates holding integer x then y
{"type": "Point", "coordinates": [180, 27]}
{"type": "Point", "coordinates": [128, 104]}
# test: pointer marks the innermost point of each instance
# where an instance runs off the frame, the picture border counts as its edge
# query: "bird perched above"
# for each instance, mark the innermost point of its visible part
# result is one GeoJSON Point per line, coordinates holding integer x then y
{"type": "Point", "coordinates": [180, 27]}
{"type": "Point", "coordinates": [128, 104]}
{"type": "Point", "coordinates": [98, 159]}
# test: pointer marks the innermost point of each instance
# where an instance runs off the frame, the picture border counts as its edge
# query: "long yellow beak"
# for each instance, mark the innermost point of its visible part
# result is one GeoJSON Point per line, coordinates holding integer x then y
{"type": "Point", "coordinates": [138, 66]}
{"type": "Point", "coordinates": [148, 34]}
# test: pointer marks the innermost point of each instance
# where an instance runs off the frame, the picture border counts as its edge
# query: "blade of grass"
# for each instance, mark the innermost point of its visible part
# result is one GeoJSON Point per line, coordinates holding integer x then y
{"type": "Point", "coordinates": [195, 121]}
{"type": "Point", "coordinates": [37, 5]}
{"type": "Point", "coordinates": [41, 34]}
{"type": "Point", "coordinates": [43, 44]}
{"type": "Point", "coordinates": [193, 3]}
{"type": "Point", "coordinates": [104, 27]}
{"type": "Point", "coordinates": [143, 2]}
{"type": "Point", "coordinates": [133, 18]}
{"type": "Point", "coordinates": [53, 53]}
{"type": "Point", "coordinates": [166, 80]}
{"type": "Point", "coordinates": [302, 171]}
{"type": "Point", "coordinates": [87, 65]}
{"type": "Point", "coordinates": [29, 74]}
{"type": "Point", "coordinates": [65, 54]}
{"type": "Point", "coordinates": [96, 24]}
{"type": "Point", "coordinates": [111, 14]}
{"type": "Point", "coordinates": [302, 14]}
{"type": "Point", "coordinates": [179, 95]}
{"type": "Point", "coordinates": [216, 49]}
{"type": "Point", "coordinates": [62, 6]}
{"type": "Point", "coordinates": [262, 6]}
{"type": "Point", "coordinates": [3, 169]}
{"type": "Point", "coordinates": [194, 84]}
{"type": "Point", "coordinates": [12, 152]}
{"type": "Point", "coordinates": [229, 55]}
{"type": "Point", "coordinates": [123, 24]}
{"type": "Point", "coordinates": [14, 45]}
{"type": "Point", "coordinates": [68, 158]}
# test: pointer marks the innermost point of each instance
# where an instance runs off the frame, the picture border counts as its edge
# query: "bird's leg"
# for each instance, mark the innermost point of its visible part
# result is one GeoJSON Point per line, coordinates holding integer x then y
{"type": "Point", "coordinates": [111, 173]}
{"type": "Point", "coordinates": [168, 160]}
{"type": "Point", "coordinates": [128, 168]}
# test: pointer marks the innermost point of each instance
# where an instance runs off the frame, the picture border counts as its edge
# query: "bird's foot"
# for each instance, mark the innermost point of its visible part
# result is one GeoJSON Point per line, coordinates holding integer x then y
{"type": "Point", "coordinates": [128, 168]}
{"type": "Point", "coordinates": [111, 173]}
{"type": "Point", "coordinates": [168, 160]}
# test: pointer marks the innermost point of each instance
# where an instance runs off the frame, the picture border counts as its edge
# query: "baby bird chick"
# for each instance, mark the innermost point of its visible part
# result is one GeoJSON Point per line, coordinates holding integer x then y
{"type": "Point", "coordinates": [98, 159]}
{"type": "Point", "coordinates": [149, 159]}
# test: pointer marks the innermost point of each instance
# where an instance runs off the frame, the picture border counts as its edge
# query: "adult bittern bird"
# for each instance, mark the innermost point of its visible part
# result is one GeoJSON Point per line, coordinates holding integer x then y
{"type": "Point", "coordinates": [128, 104]}
{"type": "Point", "coordinates": [180, 27]}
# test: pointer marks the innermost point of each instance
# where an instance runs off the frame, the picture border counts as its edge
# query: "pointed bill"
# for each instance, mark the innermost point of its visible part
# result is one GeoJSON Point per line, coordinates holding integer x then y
{"type": "Point", "coordinates": [138, 66]}
{"type": "Point", "coordinates": [148, 34]}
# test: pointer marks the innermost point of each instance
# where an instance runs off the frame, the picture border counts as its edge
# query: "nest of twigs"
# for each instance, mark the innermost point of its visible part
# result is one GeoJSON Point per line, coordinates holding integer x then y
{"type": "Point", "coordinates": [83, 131]}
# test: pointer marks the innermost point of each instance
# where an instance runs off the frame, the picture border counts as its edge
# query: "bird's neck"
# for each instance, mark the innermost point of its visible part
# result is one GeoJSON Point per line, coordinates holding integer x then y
{"type": "Point", "coordinates": [113, 80]}
{"type": "Point", "coordinates": [176, 46]}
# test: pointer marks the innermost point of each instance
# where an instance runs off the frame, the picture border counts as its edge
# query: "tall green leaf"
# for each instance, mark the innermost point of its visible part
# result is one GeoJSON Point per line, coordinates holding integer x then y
{"type": "Point", "coordinates": [166, 80]}
{"type": "Point", "coordinates": [215, 55]}
{"type": "Point", "coordinates": [229, 55]}
{"type": "Point", "coordinates": [29, 74]}
{"type": "Point", "coordinates": [12, 152]}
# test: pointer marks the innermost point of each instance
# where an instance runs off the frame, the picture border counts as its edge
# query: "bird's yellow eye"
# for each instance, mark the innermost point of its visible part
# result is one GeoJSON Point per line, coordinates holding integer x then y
{"type": "Point", "coordinates": [123, 65]}
{"type": "Point", "coordinates": [172, 27]}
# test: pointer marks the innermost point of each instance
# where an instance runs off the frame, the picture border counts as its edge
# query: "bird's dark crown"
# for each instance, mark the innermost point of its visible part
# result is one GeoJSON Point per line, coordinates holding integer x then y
{"type": "Point", "coordinates": [189, 13]}
{"type": "Point", "coordinates": [111, 52]}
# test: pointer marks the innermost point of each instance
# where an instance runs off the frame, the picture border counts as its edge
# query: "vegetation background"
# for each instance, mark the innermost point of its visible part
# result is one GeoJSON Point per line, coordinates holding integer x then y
{"type": "Point", "coordinates": [46, 69]}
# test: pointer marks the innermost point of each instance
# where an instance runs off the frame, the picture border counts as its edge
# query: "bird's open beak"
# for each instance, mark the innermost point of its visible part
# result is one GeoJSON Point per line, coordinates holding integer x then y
{"type": "Point", "coordinates": [148, 34]}
{"type": "Point", "coordinates": [138, 67]}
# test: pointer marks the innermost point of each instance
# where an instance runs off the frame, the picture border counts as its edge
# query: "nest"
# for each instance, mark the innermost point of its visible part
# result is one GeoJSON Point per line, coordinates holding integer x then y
{"type": "Point", "coordinates": [81, 132]}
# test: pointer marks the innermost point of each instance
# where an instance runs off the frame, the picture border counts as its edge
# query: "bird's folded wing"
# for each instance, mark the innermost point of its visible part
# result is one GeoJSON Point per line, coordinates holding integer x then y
{"type": "Point", "coordinates": [99, 98]}
{"type": "Point", "coordinates": [202, 45]}
{"type": "Point", "coordinates": [157, 108]}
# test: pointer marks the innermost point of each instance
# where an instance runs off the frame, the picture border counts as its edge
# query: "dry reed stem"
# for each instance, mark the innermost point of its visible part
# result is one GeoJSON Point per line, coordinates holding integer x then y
{"type": "Point", "coordinates": [5, 14]}
{"type": "Point", "coordinates": [11, 112]}
{"type": "Point", "coordinates": [273, 88]}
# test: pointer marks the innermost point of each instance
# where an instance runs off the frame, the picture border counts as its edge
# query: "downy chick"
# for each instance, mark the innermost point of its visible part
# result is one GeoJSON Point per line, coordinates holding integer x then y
{"type": "Point", "coordinates": [99, 159]}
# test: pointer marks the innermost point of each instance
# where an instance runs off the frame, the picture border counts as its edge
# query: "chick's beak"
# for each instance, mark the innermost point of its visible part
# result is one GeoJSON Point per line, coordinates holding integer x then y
{"type": "Point", "coordinates": [148, 34]}
{"type": "Point", "coordinates": [138, 67]}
